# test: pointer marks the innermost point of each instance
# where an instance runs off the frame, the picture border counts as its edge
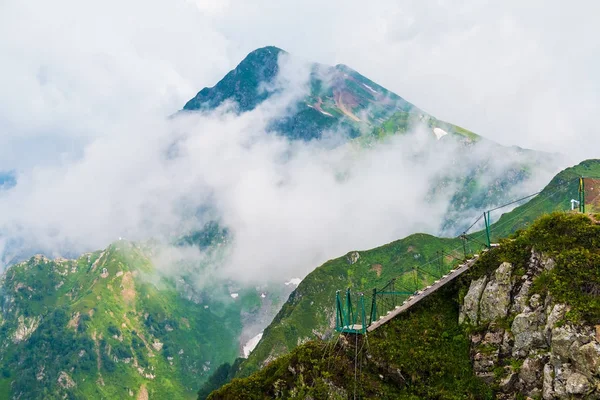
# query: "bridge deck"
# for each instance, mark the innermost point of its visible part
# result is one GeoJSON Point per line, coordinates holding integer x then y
{"type": "Point", "coordinates": [423, 293]}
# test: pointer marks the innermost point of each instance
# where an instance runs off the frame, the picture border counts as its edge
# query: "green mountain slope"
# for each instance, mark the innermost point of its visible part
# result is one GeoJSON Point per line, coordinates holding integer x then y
{"type": "Point", "coordinates": [309, 312]}
{"type": "Point", "coordinates": [479, 173]}
{"type": "Point", "coordinates": [336, 97]}
{"type": "Point", "coordinates": [428, 353]}
{"type": "Point", "coordinates": [108, 326]}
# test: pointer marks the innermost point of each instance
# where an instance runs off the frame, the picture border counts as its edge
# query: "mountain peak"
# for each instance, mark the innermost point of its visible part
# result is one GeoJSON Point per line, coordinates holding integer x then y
{"type": "Point", "coordinates": [266, 51]}
{"type": "Point", "coordinates": [338, 97]}
{"type": "Point", "coordinates": [241, 84]}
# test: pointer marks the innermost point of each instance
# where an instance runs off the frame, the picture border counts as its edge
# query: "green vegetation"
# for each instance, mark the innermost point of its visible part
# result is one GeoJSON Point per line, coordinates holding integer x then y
{"type": "Point", "coordinates": [224, 374]}
{"type": "Point", "coordinates": [573, 241]}
{"type": "Point", "coordinates": [160, 335]}
{"type": "Point", "coordinates": [424, 353]}
{"type": "Point", "coordinates": [310, 308]}
{"type": "Point", "coordinates": [556, 196]}
{"type": "Point", "coordinates": [242, 84]}
{"type": "Point", "coordinates": [108, 326]}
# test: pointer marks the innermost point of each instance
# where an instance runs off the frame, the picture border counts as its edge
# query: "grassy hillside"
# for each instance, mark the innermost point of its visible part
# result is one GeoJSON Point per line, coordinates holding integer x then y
{"type": "Point", "coordinates": [106, 326]}
{"type": "Point", "coordinates": [402, 364]}
{"type": "Point", "coordinates": [425, 353]}
{"type": "Point", "coordinates": [556, 196]}
{"type": "Point", "coordinates": [309, 312]}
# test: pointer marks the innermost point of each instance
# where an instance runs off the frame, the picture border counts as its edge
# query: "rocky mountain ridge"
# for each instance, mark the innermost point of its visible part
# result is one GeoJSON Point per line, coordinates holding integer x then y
{"type": "Point", "coordinates": [540, 354]}
{"type": "Point", "coordinates": [110, 325]}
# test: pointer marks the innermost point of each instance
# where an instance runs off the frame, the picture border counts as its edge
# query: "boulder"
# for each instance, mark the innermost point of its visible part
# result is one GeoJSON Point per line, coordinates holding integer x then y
{"type": "Point", "coordinates": [563, 338]}
{"type": "Point", "coordinates": [527, 330]}
{"type": "Point", "coordinates": [507, 344]}
{"type": "Point", "coordinates": [555, 314]}
{"type": "Point", "coordinates": [507, 383]}
{"type": "Point", "coordinates": [586, 358]}
{"type": "Point", "coordinates": [577, 384]}
{"type": "Point", "coordinates": [353, 257]}
{"type": "Point", "coordinates": [495, 299]}
{"type": "Point", "coordinates": [520, 300]}
{"type": "Point", "coordinates": [561, 373]}
{"type": "Point", "coordinates": [549, 264]}
{"type": "Point", "coordinates": [484, 362]}
{"type": "Point", "coordinates": [469, 312]}
{"type": "Point", "coordinates": [548, 383]}
{"type": "Point", "coordinates": [494, 336]}
{"type": "Point", "coordinates": [531, 373]}
{"type": "Point", "coordinates": [535, 301]}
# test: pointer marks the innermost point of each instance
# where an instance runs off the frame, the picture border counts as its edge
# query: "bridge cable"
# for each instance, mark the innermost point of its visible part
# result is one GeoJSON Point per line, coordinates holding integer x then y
{"type": "Point", "coordinates": [420, 268]}
{"type": "Point", "coordinates": [515, 201]}
{"type": "Point", "coordinates": [531, 207]}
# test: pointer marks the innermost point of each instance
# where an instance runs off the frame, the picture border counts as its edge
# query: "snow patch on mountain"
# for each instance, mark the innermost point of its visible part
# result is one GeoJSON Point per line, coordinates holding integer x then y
{"type": "Point", "coordinates": [293, 281]}
{"type": "Point", "coordinates": [251, 344]}
{"type": "Point", "coordinates": [439, 133]}
{"type": "Point", "coordinates": [370, 88]}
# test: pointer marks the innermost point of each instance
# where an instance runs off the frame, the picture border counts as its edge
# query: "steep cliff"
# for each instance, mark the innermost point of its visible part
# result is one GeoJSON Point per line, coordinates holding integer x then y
{"type": "Point", "coordinates": [534, 325]}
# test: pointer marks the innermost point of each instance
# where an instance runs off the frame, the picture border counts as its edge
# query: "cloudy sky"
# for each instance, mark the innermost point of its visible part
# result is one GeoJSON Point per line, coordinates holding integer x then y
{"type": "Point", "coordinates": [517, 72]}
{"type": "Point", "coordinates": [86, 87]}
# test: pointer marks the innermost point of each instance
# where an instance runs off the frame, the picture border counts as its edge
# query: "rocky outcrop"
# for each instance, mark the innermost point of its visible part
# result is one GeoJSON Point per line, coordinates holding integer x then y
{"type": "Point", "coordinates": [495, 299]}
{"type": "Point", "coordinates": [523, 343]}
{"type": "Point", "coordinates": [353, 257]}
{"type": "Point", "coordinates": [65, 381]}
{"type": "Point", "coordinates": [26, 326]}
{"type": "Point", "coordinates": [469, 311]}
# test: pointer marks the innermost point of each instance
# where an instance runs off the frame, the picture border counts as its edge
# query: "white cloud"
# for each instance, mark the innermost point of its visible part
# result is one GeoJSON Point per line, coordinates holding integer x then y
{"type": "Point", "coordinates": [516, 73]}
{"type": "Point", "coordinates": [86, 88]}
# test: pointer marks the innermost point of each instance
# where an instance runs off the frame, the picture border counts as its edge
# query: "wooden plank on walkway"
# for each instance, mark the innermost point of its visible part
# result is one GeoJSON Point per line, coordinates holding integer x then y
{"type": "Point", "coordinates": [423, 293]}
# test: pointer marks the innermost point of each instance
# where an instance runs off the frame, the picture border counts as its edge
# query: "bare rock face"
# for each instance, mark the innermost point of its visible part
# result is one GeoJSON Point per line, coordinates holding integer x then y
{"type": "Point", "coordinates": [353, 257]}
{"type": "Point", "coordinates": [562, 339]}
{"type": "Point", "coordinates": [520, 300]}
{"type": "Point", "coordinates": [548, 383]}
{"type": "Point", "coordinates": [65, 381]}
{"type": "Point", "coordinates": [587, 358]}
{"type": "Point", "coordinates": [527, 329]}
{"type": "Point", "coordinates": [26, 326]}
{"type": "Point", "coordinates": [577, 384]}
{"type": "Point", "coordinates": [539, 355]}
{"type": "Point", "coordinates": [495, 300]}
{"type": "Point", "coordinates": [469, 311]}
{"type": "Point", "coordinates": [531, 375]}
{"type": "Point", "coordinates": [556, 314]}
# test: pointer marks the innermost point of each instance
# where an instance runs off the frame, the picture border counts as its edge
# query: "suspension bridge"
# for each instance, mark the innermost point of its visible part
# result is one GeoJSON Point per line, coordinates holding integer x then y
{"type": "Point", "coordinates": [361, 313]}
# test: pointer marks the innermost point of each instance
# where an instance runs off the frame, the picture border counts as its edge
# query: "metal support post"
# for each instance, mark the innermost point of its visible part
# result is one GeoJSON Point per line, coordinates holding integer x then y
{"type": "Point", "coordinates": [486, 218]}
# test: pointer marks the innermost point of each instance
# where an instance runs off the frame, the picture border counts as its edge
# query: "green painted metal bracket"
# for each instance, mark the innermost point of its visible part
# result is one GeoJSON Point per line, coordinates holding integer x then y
{"type": "Point", "coordinates": [486, 218]}
{"type": "Point", "coordinates": [582, 194]}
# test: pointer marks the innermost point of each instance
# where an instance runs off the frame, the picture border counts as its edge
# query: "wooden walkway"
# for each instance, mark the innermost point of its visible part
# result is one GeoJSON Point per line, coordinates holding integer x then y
{"type": "Point", "coordinates": [421, 294]}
